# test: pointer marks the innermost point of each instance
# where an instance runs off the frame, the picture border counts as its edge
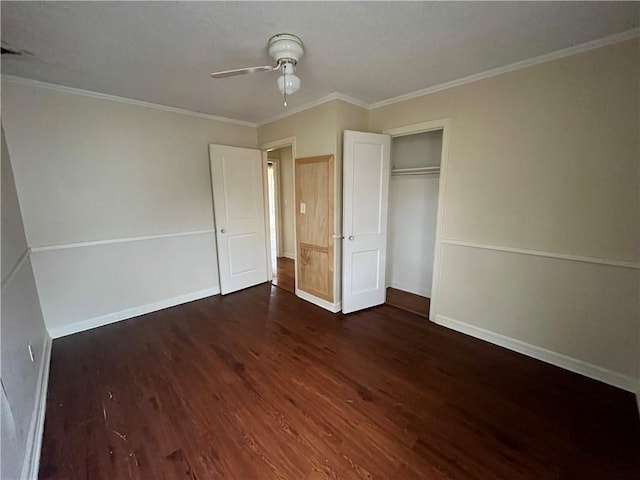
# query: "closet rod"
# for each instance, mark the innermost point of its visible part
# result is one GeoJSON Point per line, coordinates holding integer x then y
{"type": "Point", "coordinates": [415, 171]}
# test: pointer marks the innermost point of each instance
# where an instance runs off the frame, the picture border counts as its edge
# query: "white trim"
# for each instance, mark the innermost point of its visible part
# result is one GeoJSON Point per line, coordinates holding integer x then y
{"type": "Point", "coordinates": [565, 52]}
{"type": "Point", "coordinates": [415, 128]}
{"type": "Point", "coordinates": [289, 255]}
{"type": "Point", "coordinates": [547, 57]}
{"type": "Point", "coordinates": [314, 103]}
{"type": "Point", "coordinates": [114, 98]}
{"type": "Point", "coordinates": [281, 143]}
{"type": "Point", "coordinates": [120, 240]}
{"type": "Point", "coordinates": [351, 100]}
{"type": "Point", "coordinates": [266, 218]}
{"type": "Point", "coordinates": [619, 380]}
{"type": "Point", "coordinates": [332, 307]}
{"type": "Point", "coordinates": [36, 428]}
{"type": "Point", "coordinates": [277, 206]}
{"type": "Point", "coordinates": [542, 253]}
{"type": "Point", "coordinates": [109, 318]}
{"type": "Point", "coordinates": [16, 267]}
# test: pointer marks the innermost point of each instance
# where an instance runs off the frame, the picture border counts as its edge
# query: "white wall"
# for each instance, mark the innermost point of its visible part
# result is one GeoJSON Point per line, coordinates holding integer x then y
{"type": "Point", "coordinates": [544, 162]}
{"type": "Point", "coordinates": [94, 170]}
{"type": "Point", "coordinates": [417, 150]}
{"type": "Point", "coordinates": [287, 203]}
{"type": "Point", "coordinates": [21, 324]}
{"type": "Point", "coordinates": [413, 207]}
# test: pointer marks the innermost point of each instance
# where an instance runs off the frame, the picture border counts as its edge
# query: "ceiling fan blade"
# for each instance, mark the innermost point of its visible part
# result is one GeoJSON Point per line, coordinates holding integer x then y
{"type": "Point", "coordinates": [242, 71]}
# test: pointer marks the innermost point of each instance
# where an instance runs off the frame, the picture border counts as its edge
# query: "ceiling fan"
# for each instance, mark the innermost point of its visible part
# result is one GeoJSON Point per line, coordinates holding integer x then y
{"type": "Point", "coordinates": [286, 49]}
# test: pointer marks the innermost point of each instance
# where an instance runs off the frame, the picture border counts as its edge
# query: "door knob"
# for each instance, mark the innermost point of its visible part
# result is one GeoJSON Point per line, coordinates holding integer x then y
{"type": "Point", "coordinates": [351, 237]}
{"type": "Point", "coordinates": [223, 231]}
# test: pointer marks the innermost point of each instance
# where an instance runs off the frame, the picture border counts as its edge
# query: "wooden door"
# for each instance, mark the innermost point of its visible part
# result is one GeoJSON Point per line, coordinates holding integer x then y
{"type": "Point", "coordinates": [238, 205]}
{"type": "Point", "coordinates": [365, 206]}
{"type": "Point", "coordinates": [314, 225]}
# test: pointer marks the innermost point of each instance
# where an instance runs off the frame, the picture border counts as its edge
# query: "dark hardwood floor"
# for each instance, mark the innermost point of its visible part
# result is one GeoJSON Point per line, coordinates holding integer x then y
{"type": "Point", "coordinates": [260, 384]}
{"type": "Point", "coordinates": [284, 276]}
{"type": "Point", "coordinates": [408, 301]}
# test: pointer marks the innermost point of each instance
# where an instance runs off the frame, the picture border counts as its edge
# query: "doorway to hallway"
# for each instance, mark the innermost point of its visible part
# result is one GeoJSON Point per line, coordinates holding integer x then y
{"type": "Point", "coordinates": [281, 213]}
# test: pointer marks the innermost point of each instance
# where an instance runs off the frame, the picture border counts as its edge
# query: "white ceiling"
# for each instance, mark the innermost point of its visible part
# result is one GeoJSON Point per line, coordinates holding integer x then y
{"type": "Point", "coordinates": [163, 52]}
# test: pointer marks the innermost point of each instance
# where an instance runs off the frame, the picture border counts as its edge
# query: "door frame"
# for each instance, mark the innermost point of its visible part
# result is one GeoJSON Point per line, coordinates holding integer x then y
{"type": "Point", "coordinates": [443, 124]}
{"type": "Point", "coordinates": [265, 147]}
{"type": "Point", "coordinates": [276, 199]}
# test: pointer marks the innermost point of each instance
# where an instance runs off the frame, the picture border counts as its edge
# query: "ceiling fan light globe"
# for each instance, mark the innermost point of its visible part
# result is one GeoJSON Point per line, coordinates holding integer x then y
{"type": "Point", "coordinates": [291, 86]}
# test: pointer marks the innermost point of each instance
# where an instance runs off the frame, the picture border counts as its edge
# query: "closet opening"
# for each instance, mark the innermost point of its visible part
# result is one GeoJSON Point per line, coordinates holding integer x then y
{"type": "Point", "coordinates": [281, 228]}
{"type": "Point", "coordinates": [413, 211]}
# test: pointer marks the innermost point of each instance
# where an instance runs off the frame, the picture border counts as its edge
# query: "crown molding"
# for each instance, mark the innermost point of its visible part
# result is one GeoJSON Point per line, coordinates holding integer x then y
{"type": "Point", "coordinates": [351, 100]}
{"type": "Point", "coordinates": [547, 57]}
{"type": "Point", "coordinates": [306, 106]}
{"type": "Point", "coordinates": [114, 98]}
{"type": "Point", "coordinates": [565, 52]}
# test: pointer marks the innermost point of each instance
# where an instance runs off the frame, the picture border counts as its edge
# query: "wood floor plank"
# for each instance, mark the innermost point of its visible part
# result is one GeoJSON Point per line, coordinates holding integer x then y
{"type": "Point", "coordinates": [260, 384]}
{"type": "Point", "coordinates": [284, 276]}
{"type": "Point", "coordinates": [408, 301]}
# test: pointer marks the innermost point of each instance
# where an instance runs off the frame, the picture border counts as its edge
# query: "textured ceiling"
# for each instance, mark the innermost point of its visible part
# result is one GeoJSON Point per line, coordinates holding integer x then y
{"type": "Point", "coordinates": [163, 52]}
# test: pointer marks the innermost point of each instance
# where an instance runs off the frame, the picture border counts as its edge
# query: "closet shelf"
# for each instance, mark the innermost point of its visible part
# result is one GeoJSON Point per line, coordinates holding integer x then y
{"type": "Point", "coordinates": [416, 171]}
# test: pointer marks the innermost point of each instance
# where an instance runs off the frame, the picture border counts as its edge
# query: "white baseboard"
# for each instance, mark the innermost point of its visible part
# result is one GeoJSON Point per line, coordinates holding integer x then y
{"type": "Point", "coordinates": [410, 289]}
{"type": "Point", "coordinates": [619, 380]}
{"type": "Point", "coordinates": [36, 428]}
{"type": "Point", "coordinates": [289, 255]}
{"type": "Point", "coordinates": [332, 307]}
{"type": "Point", "coordinates": [102, 320]}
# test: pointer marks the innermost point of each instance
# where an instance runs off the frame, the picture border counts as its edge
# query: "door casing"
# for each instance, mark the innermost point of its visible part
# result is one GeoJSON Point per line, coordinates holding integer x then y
{"type": "Point", "coordinates": [443, 124]}
{"type": "Point", "coordinates": [274, 145]}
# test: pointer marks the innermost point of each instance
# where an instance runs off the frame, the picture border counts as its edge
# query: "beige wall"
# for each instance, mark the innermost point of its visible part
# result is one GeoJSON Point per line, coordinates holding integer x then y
{"type": "Point", "coordinates": [314, 129]}
{"type": "Point", "coordinates": [112, 170]}
{"type": "Point", "coordinates": [21, 325]}
{"type": "Point", "coordinates": [544, 158]}
{"type": "Point", "coordinates": [557, 141]}
{"type": "Point", "coordinates": [90, 169]}
{"type": "Point", "coordinates": [318, 131]}
{"type": "Point", "coordinates": [315, 133]}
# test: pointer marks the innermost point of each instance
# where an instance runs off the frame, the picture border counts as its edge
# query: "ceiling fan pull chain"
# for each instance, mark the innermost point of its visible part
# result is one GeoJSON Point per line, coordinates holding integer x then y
{"type": "Point", "coordinates": [284, 72]}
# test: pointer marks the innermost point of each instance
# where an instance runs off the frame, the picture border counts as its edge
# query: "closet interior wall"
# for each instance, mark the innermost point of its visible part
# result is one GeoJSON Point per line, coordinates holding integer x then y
{"type": "Point", "coordinates": [413, 207]}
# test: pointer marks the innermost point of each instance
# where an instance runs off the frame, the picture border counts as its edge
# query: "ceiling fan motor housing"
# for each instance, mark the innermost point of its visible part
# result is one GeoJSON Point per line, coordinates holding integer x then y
{"type": "Point", "coordinates": [285, 47]}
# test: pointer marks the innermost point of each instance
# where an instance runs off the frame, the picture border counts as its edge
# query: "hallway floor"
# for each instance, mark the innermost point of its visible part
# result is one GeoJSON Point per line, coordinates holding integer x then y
{"type": "Point", "coordinates": [284, 274]}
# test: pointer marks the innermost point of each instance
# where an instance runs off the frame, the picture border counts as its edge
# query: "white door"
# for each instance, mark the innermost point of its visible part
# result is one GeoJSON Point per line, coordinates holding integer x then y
{"type": "Point", "coordinates": [238, 206]}
{"type": "Point", "coordinates": [365, 205]}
